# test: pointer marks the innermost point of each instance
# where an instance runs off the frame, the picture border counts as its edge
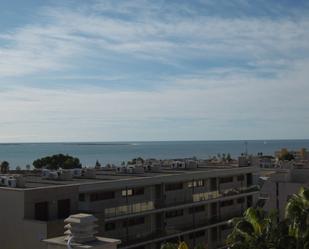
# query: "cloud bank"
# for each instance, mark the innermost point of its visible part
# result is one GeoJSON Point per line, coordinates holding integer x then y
{"type": "Point", "coordinates": [140, 70]}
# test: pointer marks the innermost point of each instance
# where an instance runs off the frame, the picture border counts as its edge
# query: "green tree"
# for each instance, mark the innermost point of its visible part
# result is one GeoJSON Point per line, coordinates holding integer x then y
{"type": "Point", "coordinates": [57, 161]}
{"type": "Point", "coordinates": [4, 167]}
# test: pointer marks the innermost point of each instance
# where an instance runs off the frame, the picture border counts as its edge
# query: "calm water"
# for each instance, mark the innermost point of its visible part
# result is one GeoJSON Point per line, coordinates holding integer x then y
{"type": "Point", "coordinates": [22, 154]}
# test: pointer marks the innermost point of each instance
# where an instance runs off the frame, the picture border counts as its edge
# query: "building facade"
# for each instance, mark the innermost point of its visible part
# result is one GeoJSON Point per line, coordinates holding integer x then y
{"type": "Point", "coordinates": [143, 210]}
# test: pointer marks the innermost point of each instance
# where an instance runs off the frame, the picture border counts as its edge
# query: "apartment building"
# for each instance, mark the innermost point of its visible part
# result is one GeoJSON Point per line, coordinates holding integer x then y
{"type": "Point", "coordinates": [280, 184]}
{"type": "Point", "coordinates": [141, 208]}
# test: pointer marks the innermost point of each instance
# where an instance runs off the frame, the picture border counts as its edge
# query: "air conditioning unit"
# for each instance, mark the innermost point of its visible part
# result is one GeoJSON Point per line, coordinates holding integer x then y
{"type": "Point", "coordinates": [12, 183]}
{"type": "Point", "coordinates": [77, 172]}
{"type": "Point", "coordinates": [130, 170]}
{"type": "Point", "coordinates": [45, 173]}
{"type": "Point", "coordinates": [53, 175]}
{"type": "Point", "coordinates": [4, 180]}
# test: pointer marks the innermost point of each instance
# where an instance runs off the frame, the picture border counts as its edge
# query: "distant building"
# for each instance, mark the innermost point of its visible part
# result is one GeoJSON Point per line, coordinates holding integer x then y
{"type": "Point", "coordinates": [299, 155]}
{"type": "Point", "coordinates": [280, 184]}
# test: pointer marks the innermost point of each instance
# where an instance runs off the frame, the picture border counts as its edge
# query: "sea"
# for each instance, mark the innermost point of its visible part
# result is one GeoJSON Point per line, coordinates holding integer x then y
{"type": "Point", "coordinates": [21, 154]}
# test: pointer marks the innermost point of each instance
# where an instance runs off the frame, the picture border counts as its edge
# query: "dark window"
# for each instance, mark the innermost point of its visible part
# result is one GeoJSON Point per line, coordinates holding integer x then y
{"type": "Point", "coordinates": [41, 211]}
{"type": "Point", "coordinates": [81, 197]}
{"type": "Point", "coordinates": [102, 196]}
{"type": "Point", "coordinates": [249, 201]}
{"type": "Point", "coordinates": [110, 226]}
{"type": "Point", "coordinates": [174, 213]}
{"type": "Point", "coordinates": [138, 191]}
{"type": "Point", "coordinates": [173, 186]}
{"type": "Point", "coordinates": [64, 208]}
{"type": "Point", "coordinates": [226, 203]}
{"type": "Point", "coordinates": [226, 179]}
{"type": "Point", "coordinates": [249, 180]}
{"type": "Point", "coordinates": [240, 178]}
{"type": "Point", "coordinates": [213, 184]}
{"type": "Point", "coordinates": [241, 200]}
{"type": "Point", "coordinates": [197, 209]}
{"type": "Point", "coordinates": [224, 227]}
{"type": "Point", "coordinates": [214, 235]}
{"type": "Point", "coordinates": [213, 209]}
{"type": "Point", "coordinates": [134, 221]}
{"type": "Point", "coordinates": [197, 234]}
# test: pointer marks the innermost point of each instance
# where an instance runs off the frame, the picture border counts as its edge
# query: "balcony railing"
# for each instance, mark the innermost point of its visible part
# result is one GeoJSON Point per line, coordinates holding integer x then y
{"type": "Point", "coordinates": [129, 209]}
{"type": "Point", "coordinates": [163, 234]}
{"type": "Point", "coordinates": [136, 208]}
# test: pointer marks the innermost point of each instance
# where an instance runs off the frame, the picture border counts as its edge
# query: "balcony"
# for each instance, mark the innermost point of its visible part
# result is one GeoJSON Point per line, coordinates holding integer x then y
{"type": "Point", "coordinates": [129, 209]}
{"type": "Point", "coordinates": [159, 205]}
{"type": "Point", "coordinates": [168, 233]}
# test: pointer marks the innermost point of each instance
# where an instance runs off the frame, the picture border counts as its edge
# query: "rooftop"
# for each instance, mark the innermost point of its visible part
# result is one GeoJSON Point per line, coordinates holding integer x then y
{"type": "Point", "coordinates": [35, 180]}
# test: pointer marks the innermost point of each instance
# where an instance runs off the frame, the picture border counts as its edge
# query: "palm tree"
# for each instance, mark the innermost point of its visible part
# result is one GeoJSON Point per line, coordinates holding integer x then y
{"type": "Point", "coordinates": [256, 229]}
{"type": "Point", "coordinates": [297, 216]}
{"type": "Point", "coordinates": [4, 167]}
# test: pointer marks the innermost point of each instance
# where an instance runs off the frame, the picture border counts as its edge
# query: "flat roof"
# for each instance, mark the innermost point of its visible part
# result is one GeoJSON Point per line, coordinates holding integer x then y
{"type": "Point", "coordinates": [35, 180]}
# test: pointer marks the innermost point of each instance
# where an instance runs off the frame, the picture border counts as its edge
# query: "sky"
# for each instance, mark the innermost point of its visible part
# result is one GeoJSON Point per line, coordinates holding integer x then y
{"type": "Point", "coordinates": [106, 70]}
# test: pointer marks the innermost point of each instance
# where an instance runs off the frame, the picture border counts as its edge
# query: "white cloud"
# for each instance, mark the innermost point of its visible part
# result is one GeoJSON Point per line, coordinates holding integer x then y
{"type": "Point", "coordinates": [176, 112]}
{"type": "Point", "coordinates": [228, 100]}
{"type": "Point", "coordinates": [87, 32]}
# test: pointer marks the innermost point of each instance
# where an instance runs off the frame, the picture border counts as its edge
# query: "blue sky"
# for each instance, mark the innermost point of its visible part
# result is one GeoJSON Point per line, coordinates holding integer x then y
{"type": "Point", "coordinates": [153, 70]}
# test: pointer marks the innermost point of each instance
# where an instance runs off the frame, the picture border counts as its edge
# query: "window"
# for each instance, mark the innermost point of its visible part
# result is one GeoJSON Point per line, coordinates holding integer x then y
{"type": "Point", "coordinates": [226, 203]}
{"type": "Point", "coordinates": [249, 180]}
{"type": "Point", "coordinates": [240, 200]}
{"type": "Point", "coordinates": [138, 191]}
{"type": "Point", "coordinates": [174, 213]}
{"type": "Point", "coordinates": [81, 197]}
{"type": "Point", "coordinates": [41, 211]}
{"type": "Point", "coordinates": [64, 208]}
{"type": "Point", "coordinates": [213, 184]}
{"type": "Point", "coordinates": [131, 192]}
{"type": "Point", "coordinates": [196, 183]}
{"type": "Point", "coordinates": [110, 226]}
{"type": "Point", "coordinates": [224, 227]}
{"type": "Point", "coordinates": [134, 221]}
{"type": "Point", "coordinates": [173, 186]}
{"type": "Point", "coordinates": [249, 201]}
{"type": "Point", "coordinates": [214, 235]}
{"type": "Point", "coordinates": [197, 209]}
{"type": "Point", "coordinates": [226, 179]}
{"type": "Point", "coordinates": [197, 234]}
{"type": "Point", "coordinates": [102, 196]}
{"type": "Point", "coordinates": [240, 178]}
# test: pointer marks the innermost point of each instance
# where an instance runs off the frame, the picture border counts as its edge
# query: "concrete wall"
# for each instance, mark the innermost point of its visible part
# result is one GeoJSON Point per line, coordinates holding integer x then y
{"type": "Point", "coordinates": [15, 231]}
{"type": "Point", "coordinates": [51, 195]}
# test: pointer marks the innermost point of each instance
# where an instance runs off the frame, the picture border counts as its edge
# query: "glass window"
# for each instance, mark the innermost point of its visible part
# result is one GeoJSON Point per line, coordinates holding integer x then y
{"type": "Point", "coordinates": [173, 186]}
{"type": "Point", "coordinates": [110, 226]}
{"type": "Point", "coordinates": [102, 196]}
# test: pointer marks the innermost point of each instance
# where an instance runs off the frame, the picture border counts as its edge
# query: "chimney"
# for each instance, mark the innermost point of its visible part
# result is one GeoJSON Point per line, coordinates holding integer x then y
{"type": "Point", "coordinates": [80, 230]}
